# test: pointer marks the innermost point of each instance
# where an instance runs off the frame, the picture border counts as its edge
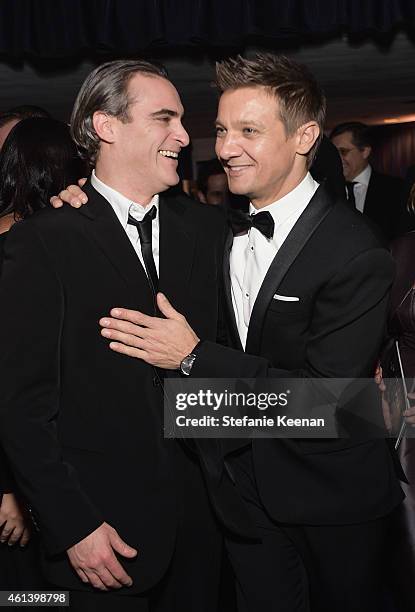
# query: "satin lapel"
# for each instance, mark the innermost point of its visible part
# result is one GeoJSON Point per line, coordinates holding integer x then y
{"type": "Point", "coordinates": [177, 244]}
{"type": "Point", "coordinates": [106, 231]}
{"type": "Point", "coordinates": [319, 206]}
{"type": "Point", "coordinates": [233, 328]}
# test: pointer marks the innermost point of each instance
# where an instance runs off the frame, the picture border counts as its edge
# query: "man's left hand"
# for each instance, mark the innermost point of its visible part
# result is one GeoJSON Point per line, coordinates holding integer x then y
{"type": "Point", "coordinates": [163, 343]}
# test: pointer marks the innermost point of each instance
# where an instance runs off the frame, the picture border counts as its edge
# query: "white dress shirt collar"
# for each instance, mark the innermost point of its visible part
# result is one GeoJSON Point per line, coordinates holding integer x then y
{"type": "Point", "coordinates": [122, 206]}
{"type": "Point", "coordinates": [288, 205]}
{"type": "Point", "coordinates": [364, 177]}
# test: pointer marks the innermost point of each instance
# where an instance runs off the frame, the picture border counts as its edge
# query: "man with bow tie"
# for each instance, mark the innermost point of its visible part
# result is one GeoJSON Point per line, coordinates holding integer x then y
{"type": "Point", "coordinates": [123, 514]}
{"type": "Point", "coordinates": [306, 286]}
{"type": "Point", "coordinates": [306, 291]}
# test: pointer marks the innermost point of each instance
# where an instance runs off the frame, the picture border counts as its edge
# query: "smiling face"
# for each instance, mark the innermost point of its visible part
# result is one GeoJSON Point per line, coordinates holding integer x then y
{"type": "Point", "coordinates": [260, 160]}
{"type": "Point", "coordinates": [145, 149]}
{"type": "Point", "coordinates": [354, 159]}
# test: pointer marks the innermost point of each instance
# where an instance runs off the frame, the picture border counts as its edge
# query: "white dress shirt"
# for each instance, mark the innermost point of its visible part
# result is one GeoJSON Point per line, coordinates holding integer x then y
{"type": "Point", "coordinates": [360, 188]}
{"type": "Point", "coordinates": [252, 253]}
{"type": "Point", "coordinates": [123, 207]}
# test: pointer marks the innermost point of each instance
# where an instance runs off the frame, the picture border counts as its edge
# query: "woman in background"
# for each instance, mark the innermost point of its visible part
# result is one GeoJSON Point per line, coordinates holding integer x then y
{"type": "Point", "coordinates": [401, 327]}
{"type": "Point", "coordinates": [37, 160]}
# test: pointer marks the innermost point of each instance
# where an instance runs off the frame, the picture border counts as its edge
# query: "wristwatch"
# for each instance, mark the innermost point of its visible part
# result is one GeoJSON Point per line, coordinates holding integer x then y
{"type": "Point", "coordinates": [186, 364]}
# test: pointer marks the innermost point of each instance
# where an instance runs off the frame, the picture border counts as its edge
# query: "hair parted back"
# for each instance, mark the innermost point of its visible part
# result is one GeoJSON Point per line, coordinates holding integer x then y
{"type": "Point", "coordinates": [300, 97]}
{"type": "Point", "coordinates": [105, 89]}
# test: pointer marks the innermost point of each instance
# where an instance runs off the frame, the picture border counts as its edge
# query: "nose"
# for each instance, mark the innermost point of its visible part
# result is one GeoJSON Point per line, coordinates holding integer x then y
{"type": "Point", "coordinates": [182, 136]}
{"type": "Point", "coordinates": [227, 147]}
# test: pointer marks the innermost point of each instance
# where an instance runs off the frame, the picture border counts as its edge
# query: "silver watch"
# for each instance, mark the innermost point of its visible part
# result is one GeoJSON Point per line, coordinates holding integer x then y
{"type": "Point", "coordinates": [187, 364]}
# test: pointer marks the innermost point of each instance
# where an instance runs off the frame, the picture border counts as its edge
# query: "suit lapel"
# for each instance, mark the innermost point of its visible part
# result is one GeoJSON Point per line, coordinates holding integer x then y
{"type": "Point", "coordinates": [106, 231]}
{"type": "Point", "coordinates": [319, 206]}
{"type": "Point", "coordinates": [177, 244]}
{"type": "Point", "coordinates": [373, 200]}
{"type": "Point", "coordinates": [233, 328]}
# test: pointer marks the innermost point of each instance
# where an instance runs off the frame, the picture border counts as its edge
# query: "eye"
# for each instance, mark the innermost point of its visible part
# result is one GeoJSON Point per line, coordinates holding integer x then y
{"type": "Point", "coordinates": [219, 131]}
{"type": "Point", "coordinates": [249, 131]}
{"type": "Point", "coordinates": [165, 119]}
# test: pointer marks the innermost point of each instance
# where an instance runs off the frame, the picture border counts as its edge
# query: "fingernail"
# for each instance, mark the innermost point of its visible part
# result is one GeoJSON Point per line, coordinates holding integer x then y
{"type": "Point", "coordinates": [83, 199]}
{"type": "Point", "coordinates": [106, 332]}
{"type": "Point", "coordinates": [115, 312]}
{"type": "Point", "coordinates": [105, 322]}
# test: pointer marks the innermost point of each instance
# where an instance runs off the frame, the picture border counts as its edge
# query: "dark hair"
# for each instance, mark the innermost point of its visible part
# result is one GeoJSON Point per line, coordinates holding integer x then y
{"type": "Point", "coordinates": [299, 95]}
{"type": "Point", "coordinates": [105, 89]}
{"type": "Point", "coordinates": [361, 134]}
{"type": "Point", "coordinates": [206, 169]}
{"type": "Point", "coordinates": [25, 111]}
{"type": "Point", "coordinates": [38, 159]}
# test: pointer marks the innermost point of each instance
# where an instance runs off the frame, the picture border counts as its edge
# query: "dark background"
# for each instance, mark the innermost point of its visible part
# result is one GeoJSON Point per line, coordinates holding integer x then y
{"type": "Point", "coordinates": [362, 52]}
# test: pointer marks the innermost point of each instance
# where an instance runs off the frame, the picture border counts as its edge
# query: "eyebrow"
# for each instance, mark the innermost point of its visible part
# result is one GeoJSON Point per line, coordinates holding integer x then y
{"type": "Point", "coordinates": [165, 111]}
{"type": "Point", "coordinates": [243, 123]}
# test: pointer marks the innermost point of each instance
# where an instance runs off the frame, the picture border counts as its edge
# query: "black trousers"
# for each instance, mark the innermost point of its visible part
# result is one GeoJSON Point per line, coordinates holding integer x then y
{"type": "Point", "coordinates": [304, 568]}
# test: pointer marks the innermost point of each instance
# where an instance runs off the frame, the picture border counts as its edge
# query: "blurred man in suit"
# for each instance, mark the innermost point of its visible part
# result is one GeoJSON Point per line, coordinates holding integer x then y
{"type": "Point", "coordinates": [378, 196]}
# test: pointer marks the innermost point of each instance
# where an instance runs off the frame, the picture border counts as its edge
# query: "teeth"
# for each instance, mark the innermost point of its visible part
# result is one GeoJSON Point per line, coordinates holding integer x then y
{"type": "Point", "coordinates": [169, 154]}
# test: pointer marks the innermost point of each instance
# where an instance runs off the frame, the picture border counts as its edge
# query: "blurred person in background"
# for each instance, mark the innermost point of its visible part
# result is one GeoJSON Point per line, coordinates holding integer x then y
{"type": "Point", "coordinates": [9, 118]}
{"type": "Point", "coordinates": [38, 157]}
{"type": "Point", "coordinates": [212, 183]}
{"type": "Point", "coordinates": [401, 327]}
{"type": "Point", "coordinates": [378, 196]}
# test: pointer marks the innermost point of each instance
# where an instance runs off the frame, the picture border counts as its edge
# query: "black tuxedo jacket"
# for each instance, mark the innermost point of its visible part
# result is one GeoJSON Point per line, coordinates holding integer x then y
{"type": "Point", "coordinates": [385, 203]}
{"type": "Point", "coordinates": [82, 425]}
{"type": "Point", "coordinates": [334, 263]}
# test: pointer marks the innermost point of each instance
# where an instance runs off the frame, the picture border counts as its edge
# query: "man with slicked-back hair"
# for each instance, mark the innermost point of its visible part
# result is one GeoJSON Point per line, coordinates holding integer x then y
{"type": "Point", "coordinates": [123, 514]}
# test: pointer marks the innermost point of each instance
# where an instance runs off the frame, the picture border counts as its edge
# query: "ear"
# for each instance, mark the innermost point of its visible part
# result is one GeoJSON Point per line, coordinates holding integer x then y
{"type": "Point", "coordinates": [104, 126]}
{"type": "Point", "coordinates": [307, 135]}
{"type": "Point", "coordinates": [366, 151]}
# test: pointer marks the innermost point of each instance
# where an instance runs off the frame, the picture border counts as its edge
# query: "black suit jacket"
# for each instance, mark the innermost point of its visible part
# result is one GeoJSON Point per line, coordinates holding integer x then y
{"type": "Point", "coordinates": [82, 425]}
{"type": "Point", "coordinates": [334, 263]}
{"type": "Point", "coordinates": [385, 203]}
{"type": "Point", "coordinates": [7, 484]}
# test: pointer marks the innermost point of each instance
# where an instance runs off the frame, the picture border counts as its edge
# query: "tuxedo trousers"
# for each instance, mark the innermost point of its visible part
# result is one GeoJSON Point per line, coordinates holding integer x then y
{"type": "Point", "coordinates": [304, 568]}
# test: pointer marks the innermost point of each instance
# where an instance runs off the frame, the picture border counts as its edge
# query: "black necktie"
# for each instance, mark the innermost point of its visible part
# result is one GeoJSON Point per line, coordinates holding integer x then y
{"type": "Point", "coordinates": [242, 221]}
{"type": "Point", "coordinates": [144, 229]}
{"type": "Point", "coordinates": [350, 193]}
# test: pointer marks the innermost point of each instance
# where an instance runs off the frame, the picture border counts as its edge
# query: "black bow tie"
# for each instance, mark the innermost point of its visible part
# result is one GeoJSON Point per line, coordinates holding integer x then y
{"type": "Point", "coordinates": [242, 221]}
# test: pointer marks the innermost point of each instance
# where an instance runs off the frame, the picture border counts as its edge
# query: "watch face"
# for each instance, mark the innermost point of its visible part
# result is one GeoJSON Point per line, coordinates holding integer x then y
{"type": "Point", "coordinates": [186, 364]}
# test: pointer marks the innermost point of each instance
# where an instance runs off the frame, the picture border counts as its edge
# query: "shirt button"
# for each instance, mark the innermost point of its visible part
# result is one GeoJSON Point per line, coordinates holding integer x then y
{"type": "Point", "coordinates": [247, 295]}
{"type": "Point", "coordinates": [252, 248]}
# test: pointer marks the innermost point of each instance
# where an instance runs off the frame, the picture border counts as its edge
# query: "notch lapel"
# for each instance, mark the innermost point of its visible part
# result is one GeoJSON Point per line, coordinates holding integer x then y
{"type": "Point", "coordinates": [317, 209]}
{"type": "Point", "coordinates": [106, 231]}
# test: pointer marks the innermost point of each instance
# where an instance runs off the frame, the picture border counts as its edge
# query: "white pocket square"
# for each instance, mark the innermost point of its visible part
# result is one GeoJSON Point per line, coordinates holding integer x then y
{"type": "Point", "coordinates": [286, 298]}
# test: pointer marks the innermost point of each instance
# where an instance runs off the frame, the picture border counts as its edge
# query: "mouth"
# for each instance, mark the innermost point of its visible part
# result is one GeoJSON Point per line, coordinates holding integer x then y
{"type": "Point", "coordinates": [174, 155]}
{"type": "Point", "coordinates": [235, 171]}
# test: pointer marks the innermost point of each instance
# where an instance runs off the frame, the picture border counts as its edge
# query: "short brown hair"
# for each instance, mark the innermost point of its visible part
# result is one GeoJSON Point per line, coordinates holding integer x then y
{"type": "Point", "coordinates": [105, 89]}
{"type": "Point", "coordinates": [299, 95]}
